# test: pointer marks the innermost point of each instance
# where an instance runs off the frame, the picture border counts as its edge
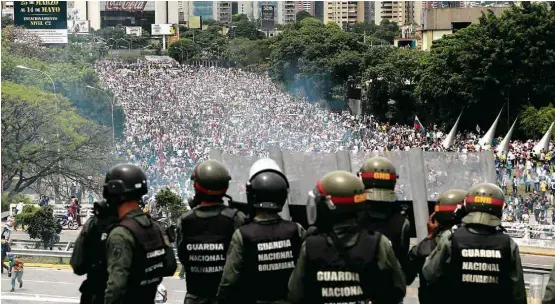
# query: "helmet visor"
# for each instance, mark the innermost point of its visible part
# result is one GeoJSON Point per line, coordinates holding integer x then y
{"type": "Point", "coordinates": [314, 198]}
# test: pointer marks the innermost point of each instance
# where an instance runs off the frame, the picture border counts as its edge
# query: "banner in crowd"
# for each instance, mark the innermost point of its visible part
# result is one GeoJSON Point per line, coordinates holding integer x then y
{"type": "Point", "coordinates": [46, 19]}
{"type": "Point", "coordinates": [78, 26]}
{"type": "Point", "coordinates": [134, 30]}
{"type": "Point", "coordinates": [268, 17]}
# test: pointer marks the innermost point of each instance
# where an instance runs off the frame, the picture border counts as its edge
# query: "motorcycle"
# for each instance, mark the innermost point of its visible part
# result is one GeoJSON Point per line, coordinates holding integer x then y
{"type": "Point", "coordinates": [67, 221]}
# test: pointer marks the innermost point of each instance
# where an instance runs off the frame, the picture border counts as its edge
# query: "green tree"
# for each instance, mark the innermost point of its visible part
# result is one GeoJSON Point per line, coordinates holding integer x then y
{"type": "Point", "coordinates": [387, 31]}
{"type": "Point", "coordinates": [210, 41]}
{"type": "Point", "coordinates": [43, 226]}
{"type": "Point", "coordinates": [315, 60]}
{"type": "Point", "coordinates": [183, 50]}
{"type": "Point", "coordinates": [364, 28]}
{"type": "Point", "coordinates": [248, 52]}
{"type": "Point", "coordinates": [6, 21]}
{"type": "Point", "coordinates": [244, 29]}
{"type": "Point", "coordinates": [391, 84]}
{"type": "Point", "coordinates": [67, 68]}
{"type": "Point", "coordinates": [6, 201]}
{"type": "Point", "coordinates": [502, 59]}
{"type": "Point", "coordinates": [25, 218]}
{"type": "Point", "coordinates": [302, 15]}
{"type": "Point", "coordinates": [535, 122]}
{"type": "Point", "coordinates": [116, 37]}
{"type": "Point", "coordinates": [239, 17]}
{"type": "Point", "coordinates": [170, 202]}
{"type": "Point", "coordinates": [32, 151]}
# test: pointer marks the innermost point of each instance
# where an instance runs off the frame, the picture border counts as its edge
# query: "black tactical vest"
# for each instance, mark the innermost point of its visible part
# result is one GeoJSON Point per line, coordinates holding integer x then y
{"type": "Point", "coordinates": [480, 266]}
{"type": "Point", "coordinates": [331, 279]}
{"type": "Point", "coordinates": [392, 228]}
{"type": "Point", "coordinates": [150, 258]}
{"type": "Point", "coordinates": [270, 252]}
{"type": "Point", "coordinates": [205, 242]}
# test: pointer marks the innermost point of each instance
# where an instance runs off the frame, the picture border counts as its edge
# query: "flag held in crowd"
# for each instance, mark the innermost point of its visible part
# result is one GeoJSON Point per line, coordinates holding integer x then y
{"type": "Point", "coordinates": [417, 124]}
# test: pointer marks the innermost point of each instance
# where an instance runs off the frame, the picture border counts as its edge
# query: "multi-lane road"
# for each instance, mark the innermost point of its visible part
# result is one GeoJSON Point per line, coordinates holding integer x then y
{"type": "Point", "coordinates": [60, 285]}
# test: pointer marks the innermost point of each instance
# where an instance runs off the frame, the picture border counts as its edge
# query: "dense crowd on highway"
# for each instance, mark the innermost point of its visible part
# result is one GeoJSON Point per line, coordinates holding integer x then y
{"type": "Point", "coordinates": [175, 114]}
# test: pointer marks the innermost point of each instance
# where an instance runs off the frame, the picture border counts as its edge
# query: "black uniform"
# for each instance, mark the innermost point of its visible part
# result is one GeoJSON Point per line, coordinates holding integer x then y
{"type": "Point", "coordinates": [481, 262]}
{"type": "Point", "coordinates": [202, 248]}
{"type": "Point", "coordinates": [153, 254]}
{"type": "Point", "coordinates": [394, 228]}
{"type": "Point", "coordinates": [270, 254]}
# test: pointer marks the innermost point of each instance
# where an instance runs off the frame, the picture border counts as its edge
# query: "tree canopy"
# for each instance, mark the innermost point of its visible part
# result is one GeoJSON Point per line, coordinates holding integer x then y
{"type": "Point", "coordinates": [43, 135]}
{"type": "Point", "coordinates": [506, 60]}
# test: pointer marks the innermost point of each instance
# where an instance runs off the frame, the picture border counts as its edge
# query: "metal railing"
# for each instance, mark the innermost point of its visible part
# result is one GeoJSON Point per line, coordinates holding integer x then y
{"type": "Point", "coordinates": [535, 285]}
{"type": "Point", "coordinates": [529, 268]}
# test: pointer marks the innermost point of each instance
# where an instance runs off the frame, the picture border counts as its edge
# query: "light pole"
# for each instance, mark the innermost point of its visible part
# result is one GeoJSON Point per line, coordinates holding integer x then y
{"type": "Point", "coordinates": [113, 127]}
{"type": "Point", "coordinates": [57, 126]}
{"type": "Point", "coordinates": [218, 46]}
{"type": "Point", "coordinates": [182, 49]}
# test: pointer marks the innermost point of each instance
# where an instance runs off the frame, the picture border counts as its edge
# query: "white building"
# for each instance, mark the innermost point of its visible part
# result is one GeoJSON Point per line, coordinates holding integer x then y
{"type": "Point", "coordinates": [127, 13]}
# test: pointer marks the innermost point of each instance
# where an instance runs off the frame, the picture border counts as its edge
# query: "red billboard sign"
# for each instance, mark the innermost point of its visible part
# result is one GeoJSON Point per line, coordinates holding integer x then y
{"type": "Point", "coordinates": [130, 6]}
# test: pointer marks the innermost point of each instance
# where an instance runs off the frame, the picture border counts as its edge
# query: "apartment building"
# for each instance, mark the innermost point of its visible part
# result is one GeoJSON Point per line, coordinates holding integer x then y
{"type": "Point", "coordinates": [307, 6]}
{"type": "Point", "coordinates": [286, 12]}
{"type": "Point", "coordinates": [402, 12]}
{"type": "Point", "coordinates": [443, 4]}
{"type": "Point", "coordinates": [343, 12]}
{"type": "Point", "coordinates": [222, 11]}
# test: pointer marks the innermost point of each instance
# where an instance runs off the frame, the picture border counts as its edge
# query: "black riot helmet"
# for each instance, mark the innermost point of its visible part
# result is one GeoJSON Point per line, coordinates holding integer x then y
{"type": "Point", "coordinates": [124, 182]}
{"type": "Point", "coordinates": [211, 180]}
{"type": "Point", "coordinates": [268, 187]}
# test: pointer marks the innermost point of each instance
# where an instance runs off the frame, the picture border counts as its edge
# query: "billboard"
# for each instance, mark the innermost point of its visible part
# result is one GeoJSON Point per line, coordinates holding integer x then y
{"type": "Point", "coordinates": [163, 29]}
{"type": "Point", "coordinates": [78, 26]}
{"type": "Point", "coordinates": [129, 6]}
{"type": "Point", "coordinates": [268, 17]}
{"type": "Point", "coordinates": [134, 30]}
{"type": "Point", "coordinates": [195, 22]}
{"type": "Point", "coordinates": [46, 19]}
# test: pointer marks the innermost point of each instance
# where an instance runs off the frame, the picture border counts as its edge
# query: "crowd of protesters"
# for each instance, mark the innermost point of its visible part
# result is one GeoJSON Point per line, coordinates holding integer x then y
{"type": "Point", "coordinates": [175, 114]}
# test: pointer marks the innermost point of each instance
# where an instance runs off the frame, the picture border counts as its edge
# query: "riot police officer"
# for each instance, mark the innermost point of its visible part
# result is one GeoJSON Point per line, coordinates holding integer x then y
{"type": "Point", "coordinates": [343, 262]}
{"type": "Point", "coordinates": [266, 249]}
{"type": "Point", "coordinates": [205, 232]}
{"type": "Point", "coordinates": [88, 253]}
{"type": "Point", "coordinates": [443, 219]}
{"type": "Point", "coordinates": [379, 177]}
{"type": "Point", "coordinates": [478, 262]}
{"type": "Point", "coordinates": [138, 255]}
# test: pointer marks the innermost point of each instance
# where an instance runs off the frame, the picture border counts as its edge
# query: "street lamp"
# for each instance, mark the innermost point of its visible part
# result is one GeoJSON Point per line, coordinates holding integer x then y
{"type": "Point", "coordinates": [57, 126]}
{"type": "Point", "coordinates": [218, 46]}
{"type": "Point", "coordinates": [112, 103]}
{"type": "Point", "coordinates": [182, 49]}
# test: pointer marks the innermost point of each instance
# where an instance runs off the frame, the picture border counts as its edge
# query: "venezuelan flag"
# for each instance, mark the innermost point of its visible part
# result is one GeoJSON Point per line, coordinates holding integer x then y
{"type": "Point", "coordinates": [417, 124]}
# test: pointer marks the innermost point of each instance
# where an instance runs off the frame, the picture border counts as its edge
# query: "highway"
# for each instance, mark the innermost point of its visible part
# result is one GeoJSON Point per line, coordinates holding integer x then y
{"type": "Point", "coordinates": [45, 285]}
{"type": "Point", "coordinates": [60, 285]}
{"type": "Point", "coordinates": [544, 261]}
